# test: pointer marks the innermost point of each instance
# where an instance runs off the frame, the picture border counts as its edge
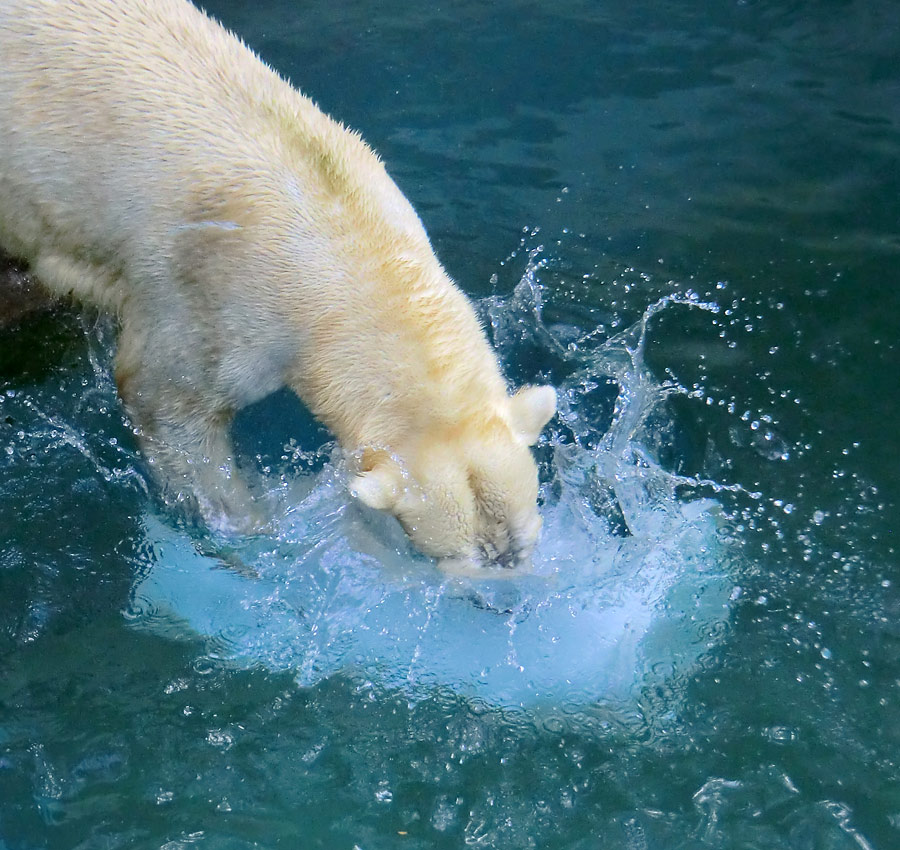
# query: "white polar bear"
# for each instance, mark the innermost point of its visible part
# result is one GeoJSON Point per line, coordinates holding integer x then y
{"type": "Point", "coordinates": [151, 164]}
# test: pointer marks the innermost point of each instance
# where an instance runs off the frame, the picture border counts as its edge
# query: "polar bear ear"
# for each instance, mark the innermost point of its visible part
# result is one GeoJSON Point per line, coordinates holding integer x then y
{"type": "Point", "coordinates": [379, 488]}
{"type": "Point", "coordinates": [531, 408]}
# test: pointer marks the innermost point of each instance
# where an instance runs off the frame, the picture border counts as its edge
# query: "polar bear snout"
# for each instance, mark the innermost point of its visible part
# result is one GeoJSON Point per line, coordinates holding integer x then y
{"type": "Point", "coordinates": [475, 517]}
{"type": "Point", "coordinates": [511, 541]}
{"type": "Point", "coordinates": [491, 556]}
{"type": "Point", "coordinates": [488, 558]}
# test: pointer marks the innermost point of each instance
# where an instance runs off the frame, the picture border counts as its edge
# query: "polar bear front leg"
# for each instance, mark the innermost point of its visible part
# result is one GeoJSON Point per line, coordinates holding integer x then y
{"type": "Point", "coordinates": [184, 435]}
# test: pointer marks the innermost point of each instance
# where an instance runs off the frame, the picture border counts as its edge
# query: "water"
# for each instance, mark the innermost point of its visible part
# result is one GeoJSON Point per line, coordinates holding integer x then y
{"type": "Point", "coordinates": [686, 219]}
{"type": "Point", "coordinates": [629, 584]}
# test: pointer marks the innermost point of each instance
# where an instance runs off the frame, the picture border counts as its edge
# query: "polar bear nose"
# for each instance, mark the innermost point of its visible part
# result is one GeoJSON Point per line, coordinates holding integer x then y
{"type": "Point", "coordinates": [492, 556]}
{"type": "Point", "coordinates": [507, 560]}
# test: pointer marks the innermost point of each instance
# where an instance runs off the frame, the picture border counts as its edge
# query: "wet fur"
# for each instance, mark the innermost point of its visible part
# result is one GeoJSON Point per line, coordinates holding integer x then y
{"type": "Point", "coordinates": [151, 164]}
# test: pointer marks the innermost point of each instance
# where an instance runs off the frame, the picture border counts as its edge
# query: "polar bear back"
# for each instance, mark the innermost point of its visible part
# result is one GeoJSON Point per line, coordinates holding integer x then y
{"type": "Point", "coordinates": [145, 139]}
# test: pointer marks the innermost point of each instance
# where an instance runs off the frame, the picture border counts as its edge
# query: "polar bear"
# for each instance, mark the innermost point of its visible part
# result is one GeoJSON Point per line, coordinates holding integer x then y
{"type": "Point", "coordinates": [152, 165]}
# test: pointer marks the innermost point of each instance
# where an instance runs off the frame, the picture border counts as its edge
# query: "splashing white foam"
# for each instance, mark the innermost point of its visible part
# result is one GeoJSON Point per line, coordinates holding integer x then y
{"type": "Point", "coordinates": [629, 584]}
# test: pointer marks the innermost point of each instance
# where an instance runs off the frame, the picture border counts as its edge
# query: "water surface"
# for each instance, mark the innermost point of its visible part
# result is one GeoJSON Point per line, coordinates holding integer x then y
{"type": "Point", "coordinates": [574, 163]}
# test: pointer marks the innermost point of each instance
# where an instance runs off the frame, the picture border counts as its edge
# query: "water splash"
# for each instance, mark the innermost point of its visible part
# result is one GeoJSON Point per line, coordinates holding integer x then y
{"type": "Point", "coordinates": [631, 584]}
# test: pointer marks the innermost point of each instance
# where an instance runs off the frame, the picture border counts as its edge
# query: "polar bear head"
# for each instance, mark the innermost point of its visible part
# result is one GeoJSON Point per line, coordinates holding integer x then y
{"type": "Point", "coordinates": [467, 493]}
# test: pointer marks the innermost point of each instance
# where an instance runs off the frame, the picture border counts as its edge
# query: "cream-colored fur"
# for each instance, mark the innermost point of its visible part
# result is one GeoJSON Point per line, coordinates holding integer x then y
{"type": "Point", "coordinates": [153, 165]}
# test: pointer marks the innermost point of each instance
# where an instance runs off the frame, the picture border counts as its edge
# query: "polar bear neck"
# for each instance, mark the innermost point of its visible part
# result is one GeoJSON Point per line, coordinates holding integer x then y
{"type": "Point", "coordinates": [413, 359]}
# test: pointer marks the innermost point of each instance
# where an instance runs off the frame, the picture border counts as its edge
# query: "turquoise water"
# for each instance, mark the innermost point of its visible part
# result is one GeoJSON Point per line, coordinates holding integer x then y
{"type": "Point", "coordinates": [686, 217]}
